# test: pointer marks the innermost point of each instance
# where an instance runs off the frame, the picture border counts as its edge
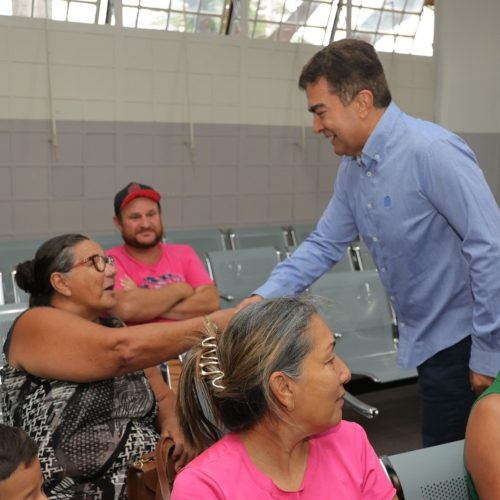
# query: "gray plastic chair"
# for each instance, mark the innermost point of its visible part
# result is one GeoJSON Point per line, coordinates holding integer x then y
{"type": "Point", "coordinates": [202, 240]}
{"type": "Point", "coordinates": [299, 232]}
{"type": "Point", "coordinates": [238, 273]}
{"type": "Point", "coordinates": [356, 307]}
{"type": "Point", "coordinates": [20, 296]}
{"type": "Point", "coordinates": [363, 256]}
{"type": "Point", "coordinates": [434, 473]}
{"type": "Point", "coordinates": [8, 313]}
{"type": "Point", "coordinates": [252, 237]}
{"type": "Point", "coordinates": [108, 240]}
{"type": "Point", "coordinates": [11, 254]}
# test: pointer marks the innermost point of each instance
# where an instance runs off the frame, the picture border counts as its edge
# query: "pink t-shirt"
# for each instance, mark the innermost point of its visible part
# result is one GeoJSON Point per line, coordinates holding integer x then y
{"type": "Point", "coordinates": [177, 264]}
{"type": "Point", "coordinates": [342, 465]}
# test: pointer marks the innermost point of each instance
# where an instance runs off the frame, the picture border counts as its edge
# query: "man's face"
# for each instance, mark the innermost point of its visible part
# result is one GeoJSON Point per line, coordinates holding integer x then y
{"type": "Point", "coordinates": [338, 122]}
{"type": "Point", "coordinates": [140, 223]}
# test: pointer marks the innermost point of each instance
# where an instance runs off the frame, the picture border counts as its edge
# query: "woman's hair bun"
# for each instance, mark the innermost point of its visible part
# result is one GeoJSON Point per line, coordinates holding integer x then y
{"type": "Point", "coordinates": [25, 276]}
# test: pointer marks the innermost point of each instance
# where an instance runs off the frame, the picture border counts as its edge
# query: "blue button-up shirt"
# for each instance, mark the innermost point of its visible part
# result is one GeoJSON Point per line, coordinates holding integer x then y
{"type": "Point", "coordinates": [420, 202]}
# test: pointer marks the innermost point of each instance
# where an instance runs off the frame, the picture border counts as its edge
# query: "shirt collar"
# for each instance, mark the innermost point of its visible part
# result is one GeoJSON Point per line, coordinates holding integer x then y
{"type": "Point", "coordinates": [374, 148]}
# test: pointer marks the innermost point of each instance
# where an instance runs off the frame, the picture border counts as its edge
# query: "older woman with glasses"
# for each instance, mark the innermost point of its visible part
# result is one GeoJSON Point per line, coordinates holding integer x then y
{"type": "Point", "coordinates": [77, 384]}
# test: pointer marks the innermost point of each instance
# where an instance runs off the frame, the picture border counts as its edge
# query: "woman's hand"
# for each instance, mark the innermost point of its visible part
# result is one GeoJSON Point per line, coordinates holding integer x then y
{"type": "Point", "coordinates": [170, 427]}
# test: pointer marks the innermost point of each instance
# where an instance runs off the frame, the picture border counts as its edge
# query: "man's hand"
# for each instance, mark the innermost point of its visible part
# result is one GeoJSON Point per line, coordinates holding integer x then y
{"type": "Point", "coordinates": [248, 301]}
{"type": "Point", "coordinates": [479, 382]}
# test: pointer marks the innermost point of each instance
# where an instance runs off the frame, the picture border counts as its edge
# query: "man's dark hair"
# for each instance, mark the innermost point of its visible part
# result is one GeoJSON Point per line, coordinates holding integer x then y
{"type": "Point", "coordinates": [348, 66]}
{"type": "Point", "coordinates": [16, 448]}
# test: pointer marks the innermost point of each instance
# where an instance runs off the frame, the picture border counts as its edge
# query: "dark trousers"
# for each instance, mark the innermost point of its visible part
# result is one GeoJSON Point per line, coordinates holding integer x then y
{"type": "Point", "coordinates": [445, 394]}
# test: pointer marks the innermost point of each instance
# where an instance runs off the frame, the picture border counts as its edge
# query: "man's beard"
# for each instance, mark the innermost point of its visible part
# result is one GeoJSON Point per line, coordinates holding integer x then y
{"type": "Point", "coordinates": [131, 241]}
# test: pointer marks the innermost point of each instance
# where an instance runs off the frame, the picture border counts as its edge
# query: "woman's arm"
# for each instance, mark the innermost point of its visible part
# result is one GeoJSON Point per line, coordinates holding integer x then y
{"type": "Point", "coordinates": [167, 417]}
{"type": "Point", "coordinates": [482, 447]}
{"type": "Point", "coordinates": [52, 343]}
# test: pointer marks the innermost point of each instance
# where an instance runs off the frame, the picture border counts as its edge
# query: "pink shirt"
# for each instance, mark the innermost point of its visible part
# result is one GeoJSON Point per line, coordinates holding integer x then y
{"type": "Point", "coordinates": [177, 264]}
{"type": "Point", "coordinates": [342, 465]}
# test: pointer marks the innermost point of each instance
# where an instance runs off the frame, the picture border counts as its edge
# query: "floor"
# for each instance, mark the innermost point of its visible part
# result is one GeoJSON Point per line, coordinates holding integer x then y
{"type": "Point", "coordinates": [397, 427]}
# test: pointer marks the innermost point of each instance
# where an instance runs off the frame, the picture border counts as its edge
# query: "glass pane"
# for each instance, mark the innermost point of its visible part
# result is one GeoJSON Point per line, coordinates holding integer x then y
{"type": "Point", "coordinates": [181, 22]}
{"type": "Point", "coordinates": [185, 5]}
{"type": "Point", "coordinates": [409, 24]}
{"type": "Point", "coordinates": [389, 22]}
{"type": "Point", "coordinates": [314, 36]}
{"type": "Point", "coordinates": [212, 6]}
{"type": "Point", "coordinates": [152, 19]}
{"type": "Point", "coordinates": [82, 12]}
{"type": "Point", "coordinates": [408, 5]}
{"type": "Point", "coordinates": [291, 7]}
{"type": "Point", "coordinates": [318, 14]}
{"type": "Point", "coordinates": [368, 20]}
{"type": "Point", "coordinates": [252, 9]}
{"type": "Point", "coordinates": [208, 24]}
{"type": "Point", "coordinates": [403, 45]}
{"type": "Point", "coordinates": [6, 8]}
{"type": "Point", "coordinates": [133, 3]}
{"type": "Point", "coordinates": [270, 11]}
{"type": "Point", "coordinates": [129, 17]}
{"type": "Point", "coordinates": [40, 9]}
{"type": "Point", "coordinates": [367, 37]}
{"type": "Point", "coordinates": [385, 44]}
{"type": "Point", "coordinates": [377, 4]}
{"type": "Point", "coordinates": [288, 32]}
{"type": "Point", "coordinates": [264, 30]}
{"type": "Point", "coordinates": [59, 10]}
{"type": "Point", "coordinates": [155, 4]}
{"type": "Point", "coordinates": [339, 35]}
{"type": "Point", "coordinates": [343, 18]}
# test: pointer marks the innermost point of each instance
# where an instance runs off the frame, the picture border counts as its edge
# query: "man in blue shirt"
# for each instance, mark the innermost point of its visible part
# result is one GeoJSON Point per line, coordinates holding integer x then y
{"type": "Point", "coordinates": [414, 192]}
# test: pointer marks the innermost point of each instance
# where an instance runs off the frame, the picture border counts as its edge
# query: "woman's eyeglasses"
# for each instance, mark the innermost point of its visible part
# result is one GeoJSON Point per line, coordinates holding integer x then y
{"type": "Point", "coordinates": [99, 262]}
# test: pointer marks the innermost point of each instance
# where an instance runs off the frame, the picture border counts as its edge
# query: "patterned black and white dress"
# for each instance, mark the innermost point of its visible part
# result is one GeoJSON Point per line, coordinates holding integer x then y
{"type": "Point", "coordinates": [88, 434]}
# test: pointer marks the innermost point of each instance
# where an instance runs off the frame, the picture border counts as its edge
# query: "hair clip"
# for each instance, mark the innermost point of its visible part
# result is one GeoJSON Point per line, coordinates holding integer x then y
{"type": "Point", "coordinates": [209, 363]}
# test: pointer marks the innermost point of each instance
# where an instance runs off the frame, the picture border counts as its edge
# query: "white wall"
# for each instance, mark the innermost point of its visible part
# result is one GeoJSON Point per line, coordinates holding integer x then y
{"type": "Point", "coordinates": [468, 65]}
{"type": "Point", "coordinates": [113, 74]}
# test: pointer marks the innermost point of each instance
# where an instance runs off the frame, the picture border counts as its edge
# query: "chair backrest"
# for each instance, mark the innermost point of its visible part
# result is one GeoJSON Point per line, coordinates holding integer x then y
{"type": "Point", "coordinates": [20, 296]}
{"type": "Point", "coordinates": [2, 295]}
{"type": "Point", "coordinates": [11, 254]}
{"type": "Point", "coordinates": [8, 313]}
{"type": "Point", "coordinates": [253, 237]}
{"type": "Point", "coordinates": [434, 473]}
{"type": "Point", "coordinates": [299, 232]}
{"type": "Point", "coordinates": [356, 307]}
{"type": "Point", "coordinates": [363, 256]}
{"type": "Point", "coordinates": [108, 240]}
{"type": "Point", "coordinates": [238, 273]}
{"type": "Point", "coordinates": [202, 240]}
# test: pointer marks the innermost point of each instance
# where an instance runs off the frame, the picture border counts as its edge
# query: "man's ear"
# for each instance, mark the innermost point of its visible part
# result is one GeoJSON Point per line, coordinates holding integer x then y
{"type": "Point", "coordinates": [283, 390]}
{"type": "Point", "coordinates": [118, 223]}
{"type": "Point", "coordinates": [364, 101]}
{"type": "Point", "coordinates": [60, 284]}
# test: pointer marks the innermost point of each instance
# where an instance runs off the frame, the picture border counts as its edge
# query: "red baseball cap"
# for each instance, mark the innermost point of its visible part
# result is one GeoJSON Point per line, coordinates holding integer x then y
{"type": "Point", "coordinates": [132, 191]}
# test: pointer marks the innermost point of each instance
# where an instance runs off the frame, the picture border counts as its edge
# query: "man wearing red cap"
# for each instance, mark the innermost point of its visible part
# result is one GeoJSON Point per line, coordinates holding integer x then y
{"type": "Point", "coordinates": [155, 281]}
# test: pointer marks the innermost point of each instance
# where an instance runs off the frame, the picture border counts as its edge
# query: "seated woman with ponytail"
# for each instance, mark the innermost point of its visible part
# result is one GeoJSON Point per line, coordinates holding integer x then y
{"type": "Point", "coordinates": [79, 386]}
{"type": "Point", "coordinates": [273, 380]}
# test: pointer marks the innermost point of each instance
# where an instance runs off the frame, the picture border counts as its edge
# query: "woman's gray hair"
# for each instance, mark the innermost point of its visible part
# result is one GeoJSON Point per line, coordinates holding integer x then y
{"type": "Point", "coordinates": [263, 338]}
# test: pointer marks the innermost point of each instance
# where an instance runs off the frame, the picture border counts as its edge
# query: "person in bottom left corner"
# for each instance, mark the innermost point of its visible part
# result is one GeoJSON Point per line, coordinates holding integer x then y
{"type": "Point", "coordinates": [20, 473]}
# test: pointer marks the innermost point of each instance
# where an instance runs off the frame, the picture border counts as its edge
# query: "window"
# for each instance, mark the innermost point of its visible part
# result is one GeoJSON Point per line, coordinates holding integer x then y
{"type": "Point", "coordinates": [403, 26]}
